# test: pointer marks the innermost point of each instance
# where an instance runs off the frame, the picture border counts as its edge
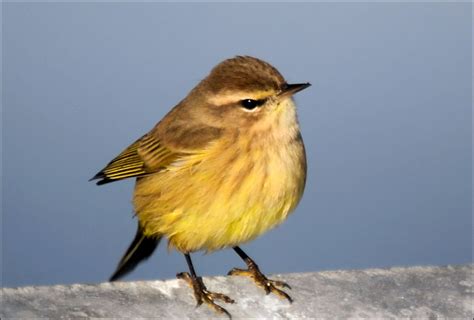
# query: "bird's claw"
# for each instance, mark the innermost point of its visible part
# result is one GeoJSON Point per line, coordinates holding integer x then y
{"type": "Point", "coordinates": [262, 281]}
{"type": "Point", "coordinates": [201, 294]}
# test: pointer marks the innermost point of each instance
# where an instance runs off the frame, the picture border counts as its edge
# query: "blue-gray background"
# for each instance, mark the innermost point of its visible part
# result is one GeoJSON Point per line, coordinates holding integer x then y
{"type": "Point", "coordinates": [387, 125]}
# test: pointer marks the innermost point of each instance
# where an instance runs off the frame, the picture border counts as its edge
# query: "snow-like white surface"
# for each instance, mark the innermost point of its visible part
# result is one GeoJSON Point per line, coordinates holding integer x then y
{"type": "Point", "coordinates": [414, 292]}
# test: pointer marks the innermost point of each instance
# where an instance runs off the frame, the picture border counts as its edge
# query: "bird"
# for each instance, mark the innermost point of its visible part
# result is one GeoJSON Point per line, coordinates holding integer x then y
{"type": "Point", "coordinates": [224, 166]}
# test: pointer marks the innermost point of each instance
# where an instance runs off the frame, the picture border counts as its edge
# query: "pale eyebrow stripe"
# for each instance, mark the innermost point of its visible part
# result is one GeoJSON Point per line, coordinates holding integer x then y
{"type": "Point", "coordinates": [226, 98]}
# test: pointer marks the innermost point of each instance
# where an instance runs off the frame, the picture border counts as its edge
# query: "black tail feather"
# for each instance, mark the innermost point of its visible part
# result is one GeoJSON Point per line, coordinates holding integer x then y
{"type": "Point", "coordinates": [140, 249]}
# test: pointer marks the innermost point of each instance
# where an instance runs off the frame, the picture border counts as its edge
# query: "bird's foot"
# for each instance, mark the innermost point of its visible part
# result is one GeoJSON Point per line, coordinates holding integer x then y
{"type": "Point", "coordinates": [203, 295]}
{"type": "Point", "coordinates": [262, 281]}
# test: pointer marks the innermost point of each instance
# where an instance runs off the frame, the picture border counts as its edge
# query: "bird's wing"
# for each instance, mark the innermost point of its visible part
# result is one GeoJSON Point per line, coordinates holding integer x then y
{"type": "Point", "coordinates": [146, 155]}
{"type": "Point", "coordinates": [177, 136]}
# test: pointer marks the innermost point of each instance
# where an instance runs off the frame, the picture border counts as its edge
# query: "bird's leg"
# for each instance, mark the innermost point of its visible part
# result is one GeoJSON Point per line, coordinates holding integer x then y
{"type": "Point", "coordinates": [200, 291]}
{"type": "Point", "coordinates": [258, 277]}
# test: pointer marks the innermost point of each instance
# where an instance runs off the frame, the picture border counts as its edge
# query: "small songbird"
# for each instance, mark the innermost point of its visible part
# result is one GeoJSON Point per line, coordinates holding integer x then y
{"type": "Point", "coordinates": [225, 165]}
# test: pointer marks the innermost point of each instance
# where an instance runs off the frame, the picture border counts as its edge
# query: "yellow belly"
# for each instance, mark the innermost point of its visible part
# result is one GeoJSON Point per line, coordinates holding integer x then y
{"type": "Point", "coordinates": [224, 198]}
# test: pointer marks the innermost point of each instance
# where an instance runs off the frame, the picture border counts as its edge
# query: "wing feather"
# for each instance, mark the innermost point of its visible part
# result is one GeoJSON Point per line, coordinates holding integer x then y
{"type": "Point", "coordinates": [171, 139]}
{"type": "Point", "coordinates": [146, 155]}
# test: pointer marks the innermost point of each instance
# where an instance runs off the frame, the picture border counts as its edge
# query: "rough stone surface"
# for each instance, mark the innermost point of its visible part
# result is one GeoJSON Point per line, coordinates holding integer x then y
{"type": "Point", "coordinates": [414, 292]}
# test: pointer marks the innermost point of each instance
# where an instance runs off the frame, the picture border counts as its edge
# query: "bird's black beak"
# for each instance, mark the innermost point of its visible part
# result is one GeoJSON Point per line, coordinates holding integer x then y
{"type": "Point", "coordinates": [291, 89]}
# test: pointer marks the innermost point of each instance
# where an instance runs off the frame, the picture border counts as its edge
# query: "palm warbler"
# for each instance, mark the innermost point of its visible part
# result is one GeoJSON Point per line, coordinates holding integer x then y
{"type": "Point", "coordinates": [222, 167]}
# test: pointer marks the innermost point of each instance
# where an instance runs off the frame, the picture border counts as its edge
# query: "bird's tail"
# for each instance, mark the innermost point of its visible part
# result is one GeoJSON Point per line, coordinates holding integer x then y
{"type": "Point", "coordinates": [140, 249]}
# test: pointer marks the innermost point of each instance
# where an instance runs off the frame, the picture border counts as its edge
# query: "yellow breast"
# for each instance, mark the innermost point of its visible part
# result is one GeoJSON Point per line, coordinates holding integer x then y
{"type": "Point", "coordinates": [239, 189]}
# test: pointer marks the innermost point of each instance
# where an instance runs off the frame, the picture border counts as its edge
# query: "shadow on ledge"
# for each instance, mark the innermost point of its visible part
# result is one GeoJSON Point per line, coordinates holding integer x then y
{"type": "Point", "coordinates": [413, 292]}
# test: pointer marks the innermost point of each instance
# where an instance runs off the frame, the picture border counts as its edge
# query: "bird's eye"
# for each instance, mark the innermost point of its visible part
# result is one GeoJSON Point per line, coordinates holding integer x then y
{"type": "Point", "coordinates": [251, 104]}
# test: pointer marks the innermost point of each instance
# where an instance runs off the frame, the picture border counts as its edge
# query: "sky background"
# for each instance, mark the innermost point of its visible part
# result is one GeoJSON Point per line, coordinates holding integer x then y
{"type": "Point", "coordinates": [387, 127]}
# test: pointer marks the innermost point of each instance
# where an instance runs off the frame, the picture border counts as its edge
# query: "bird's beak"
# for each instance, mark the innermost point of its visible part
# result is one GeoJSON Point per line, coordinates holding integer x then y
{"type": "Point", "coordinates": [291, 89]}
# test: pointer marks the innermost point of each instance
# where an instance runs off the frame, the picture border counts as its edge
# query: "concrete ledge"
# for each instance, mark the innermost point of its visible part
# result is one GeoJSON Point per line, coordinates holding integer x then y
{"type": "Point", "coordinates": [414, 292]}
